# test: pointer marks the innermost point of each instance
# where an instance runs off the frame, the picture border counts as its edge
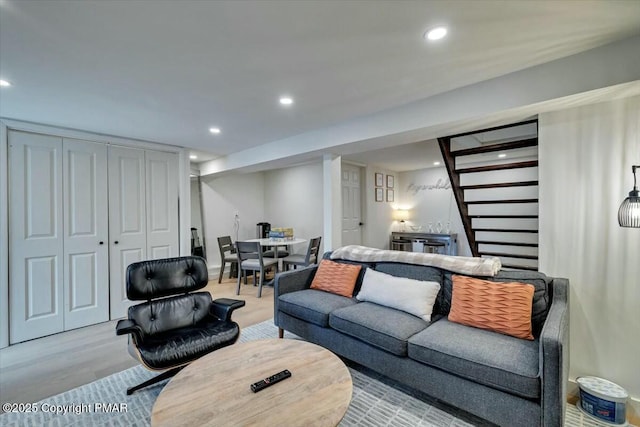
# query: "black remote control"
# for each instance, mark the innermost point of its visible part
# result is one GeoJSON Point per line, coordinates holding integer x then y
{"type": "Point", "coordinates": [260, 385]}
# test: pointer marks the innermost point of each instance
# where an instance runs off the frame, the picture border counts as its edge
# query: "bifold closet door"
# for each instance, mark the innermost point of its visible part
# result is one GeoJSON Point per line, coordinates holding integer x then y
{"type": "Point", "coordinates": [127, 221]}
{"type": "Point", "coordinates": [35, 236]}
{"type": "Point", "coordinates": [86, 233]}
{"type": "Point", "coordinates": [162, 204]}
{"type": "Point", "coordinates": [143, 214]}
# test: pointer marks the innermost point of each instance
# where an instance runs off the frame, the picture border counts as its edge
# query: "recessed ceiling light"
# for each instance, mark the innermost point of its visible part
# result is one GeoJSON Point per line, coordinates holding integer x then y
{"type": "Point", "coordinates": [4, 83]}
{"type": "Point", "coordinates": [436, 163]}
{"type": "Point", "coordinates": [214, 131]}
{"type": "Point", "coordinates": [193, 157]}
{"type": "Point", "coordinates": [435, 33]}
{"type": "Point", "coordinates": [286, 100]}
{"type": "Point", "coordinates": [502, 155]}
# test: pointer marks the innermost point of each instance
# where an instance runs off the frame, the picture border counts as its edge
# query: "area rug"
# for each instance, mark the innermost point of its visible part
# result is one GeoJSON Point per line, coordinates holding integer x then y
{"type": "Point", "coordinates": [376, 401]}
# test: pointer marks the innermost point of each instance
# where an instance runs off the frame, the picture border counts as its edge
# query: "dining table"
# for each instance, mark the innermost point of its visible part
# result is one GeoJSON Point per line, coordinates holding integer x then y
{"type": "Point", "coordinates": [276, 242]}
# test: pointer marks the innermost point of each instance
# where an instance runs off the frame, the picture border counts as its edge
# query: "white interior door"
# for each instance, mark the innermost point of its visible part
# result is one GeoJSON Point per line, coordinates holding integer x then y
{"type": "Point", "coordinates": [86, 223]}
{"type": "Point", "coordinates": [351, 202]}
{"type": "Point", "coordinates": [127, 221]}
{"type": "Point", "coordinates": [35, 235]}
{"type": "Point", "coordinates": [162, 204]}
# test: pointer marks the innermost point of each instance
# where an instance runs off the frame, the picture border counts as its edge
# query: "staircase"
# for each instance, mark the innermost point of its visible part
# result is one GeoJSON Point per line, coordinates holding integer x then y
{"type": "Point", "coordinates": [494, 178]}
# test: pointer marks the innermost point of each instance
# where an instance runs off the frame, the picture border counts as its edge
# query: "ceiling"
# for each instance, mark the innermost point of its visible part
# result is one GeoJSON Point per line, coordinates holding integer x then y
{"type": "Point", "coordinates": [167, 71]}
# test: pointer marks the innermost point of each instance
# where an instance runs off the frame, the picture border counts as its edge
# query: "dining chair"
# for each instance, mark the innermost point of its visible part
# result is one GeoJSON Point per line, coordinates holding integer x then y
{"type": "Point", "coordinates": [304, 260]}
{"type": "Point", "coordinates": [227, 254]}
{"type": "Point", "coordinates": [250, 259]}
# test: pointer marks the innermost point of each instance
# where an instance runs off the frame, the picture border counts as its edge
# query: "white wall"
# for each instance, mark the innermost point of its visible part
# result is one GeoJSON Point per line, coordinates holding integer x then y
{"type": "Point", "coordinates": [378, 216]}
{"type": "Point", "coordinates": [222, 198]}
{"type": "Point", "coordinates": [290, 197]}
{"type": "Point", "coordinates": [422, 192]}
{"type": "Point", "coordinates": [293, 198]}
{"type": "Point", "coordinates": [586, 155]}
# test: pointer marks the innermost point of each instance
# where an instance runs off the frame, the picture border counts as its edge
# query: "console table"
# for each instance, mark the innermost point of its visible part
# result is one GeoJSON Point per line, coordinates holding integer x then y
{"type": "Point", "coordinates": [450, 241]}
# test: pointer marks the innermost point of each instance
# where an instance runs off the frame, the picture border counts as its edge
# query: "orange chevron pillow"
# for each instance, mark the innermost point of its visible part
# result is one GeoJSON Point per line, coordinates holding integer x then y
{"type": "Point", "coordinates": [336, 277]}
{"type": "Point", "coordinates": [496, 306]}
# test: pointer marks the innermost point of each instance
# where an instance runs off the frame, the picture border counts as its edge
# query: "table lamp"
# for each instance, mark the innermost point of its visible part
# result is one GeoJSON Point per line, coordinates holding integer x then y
{"type": "Point", "coordinates": [401, 215]}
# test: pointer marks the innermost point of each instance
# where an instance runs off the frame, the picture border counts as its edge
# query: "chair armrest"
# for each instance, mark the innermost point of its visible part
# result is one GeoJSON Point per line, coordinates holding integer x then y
{"type": "Point", "coordinates": [223, 308]}
{"type": "Point", "coordinates": [554, 356]}
{"type": "Point", "coordinates": [128, 326]}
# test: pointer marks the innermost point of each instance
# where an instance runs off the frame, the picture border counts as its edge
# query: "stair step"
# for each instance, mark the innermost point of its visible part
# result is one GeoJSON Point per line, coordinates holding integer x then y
{"type": "Point", "coordinates": [499, 202]}
{"type": "Point", "coordinates": [500, 254]}
{"type": "Point", "coordinates": [516, 165]}
{"type": "Point", "coordinates": [490, 242]}
{"type": "Point", "coordinates": [505, 230]}
{"type": "Point", "coordinates": [503, 216]}
{"type": "Point", "coordinates": [532, 142]}
{"type": "Point", "coordinates": [499, 185]}
{"type": "Point", "coordinates": [520, 267]}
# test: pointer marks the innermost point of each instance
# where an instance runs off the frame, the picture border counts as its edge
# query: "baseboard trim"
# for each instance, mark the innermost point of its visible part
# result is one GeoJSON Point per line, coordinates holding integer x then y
{"type": "Point", "coordinates": [633, 404]}
{"type": "Point", "coordinates": [214, 271]}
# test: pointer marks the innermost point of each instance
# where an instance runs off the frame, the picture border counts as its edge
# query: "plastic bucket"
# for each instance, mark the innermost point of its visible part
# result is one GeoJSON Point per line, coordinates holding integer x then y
{"type": "Point", "coordinates": [603, 400]}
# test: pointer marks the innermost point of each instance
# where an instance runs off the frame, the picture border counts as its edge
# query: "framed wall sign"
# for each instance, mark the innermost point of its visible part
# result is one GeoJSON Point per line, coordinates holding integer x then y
{"type": "Point", "coordinates": [389, 195]}
{"type": "Point", "coordinates": [390, 181]}
{"type": "Point", "coordinates": [379, 195]}
{"type": "Point", "coordinates": [379, 179]}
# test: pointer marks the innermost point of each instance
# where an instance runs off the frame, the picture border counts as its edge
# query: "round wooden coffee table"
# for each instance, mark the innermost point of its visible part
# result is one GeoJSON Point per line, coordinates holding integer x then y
{"type": "Point", "coordinates": [215, 389]}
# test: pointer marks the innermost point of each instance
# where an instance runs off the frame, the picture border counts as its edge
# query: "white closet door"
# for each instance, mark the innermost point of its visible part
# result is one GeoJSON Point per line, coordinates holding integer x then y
{"type": "Point", "coordinates": [86, 223]}
{"type": "Point", "coordinates": [35, 235]}
{"type": "Point", "coordinates": [127, 221]}
{"type": "Point", "coordinates": [351, 206]}
{"type": "Point", "coordinates": [162, 204]}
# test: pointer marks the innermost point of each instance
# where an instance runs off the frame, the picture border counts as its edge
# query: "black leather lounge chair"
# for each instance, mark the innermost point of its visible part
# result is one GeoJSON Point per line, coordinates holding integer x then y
{"type": "Point", "coordinates": [174, 326]}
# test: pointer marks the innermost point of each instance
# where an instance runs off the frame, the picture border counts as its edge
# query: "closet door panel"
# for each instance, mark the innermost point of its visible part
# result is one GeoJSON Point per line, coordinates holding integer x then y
{"type": "Point", "coordinates": [127, 221]}
{"type": "Point", "coordinates": [86, 223]}
{"type": "Point", "coordinates": [35, 236]}
{"type": "Point", "coordinates": [162, 204]}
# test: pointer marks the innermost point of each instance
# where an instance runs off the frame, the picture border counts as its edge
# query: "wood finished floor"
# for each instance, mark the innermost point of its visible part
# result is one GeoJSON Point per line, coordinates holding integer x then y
{"type": "Point", "coordinates": [36, 369]}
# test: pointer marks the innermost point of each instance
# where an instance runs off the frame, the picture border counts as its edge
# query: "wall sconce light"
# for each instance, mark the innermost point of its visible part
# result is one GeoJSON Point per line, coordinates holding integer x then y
{"type": "Point", "coordinates": [629, 212]}
{"type": "Point", "coordinates": [401, 215]}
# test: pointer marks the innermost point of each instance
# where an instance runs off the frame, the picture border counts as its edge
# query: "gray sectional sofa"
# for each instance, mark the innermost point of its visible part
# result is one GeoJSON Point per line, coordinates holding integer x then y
{"type": "Point", "coordinates": [505, 380]}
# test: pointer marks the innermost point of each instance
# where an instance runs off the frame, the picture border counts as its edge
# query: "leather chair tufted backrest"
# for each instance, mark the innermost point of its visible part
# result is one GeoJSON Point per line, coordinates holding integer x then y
{"type": "Point", "coordinates": [160, 278]}
{"type": "Point", "coordinates": [166, 314]}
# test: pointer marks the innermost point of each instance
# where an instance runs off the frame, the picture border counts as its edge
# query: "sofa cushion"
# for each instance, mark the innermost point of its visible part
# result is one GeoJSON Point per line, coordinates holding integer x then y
{"type": "Point", "coordinates": [472, 353]}
{"type": "Point", "coordinates": [541, 297]}
{"type": "Point", "coordinates": [312, 306]}
{"type": "Point", "coordinates": [503, 307]}
{"type": "Point", "coordinates": [364, 265]}
{"type": "Point", "coordinates": [417, 272]}
{"type": "Point", "coordinates": [380, 326]}
{"type": "Point", "coordinates": [336, 278]}
{"type": "Point", "coordinates": [412, 296]}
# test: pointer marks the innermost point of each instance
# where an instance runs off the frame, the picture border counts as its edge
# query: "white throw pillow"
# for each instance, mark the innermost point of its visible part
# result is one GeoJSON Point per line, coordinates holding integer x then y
{"type": "Point", "coordinates": [413, 296]}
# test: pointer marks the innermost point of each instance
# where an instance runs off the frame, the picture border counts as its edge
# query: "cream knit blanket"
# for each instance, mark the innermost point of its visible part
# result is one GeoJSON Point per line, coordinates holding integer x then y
{"type": "Point", "coordinates": [457, 264]}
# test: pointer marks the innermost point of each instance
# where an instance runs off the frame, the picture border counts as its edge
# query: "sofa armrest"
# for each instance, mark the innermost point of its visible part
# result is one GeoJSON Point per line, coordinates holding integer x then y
{"type": "Point", "coordinates": [291, 281]}
{"type": "Point", "coordinates": [554, 356]}
{"type": "Point", "coordinates": [223, 308]}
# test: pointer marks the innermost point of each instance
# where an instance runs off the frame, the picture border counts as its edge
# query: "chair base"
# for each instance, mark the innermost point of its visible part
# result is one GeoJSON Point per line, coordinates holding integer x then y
{"type": "Point", "coordinates": [163, 376]}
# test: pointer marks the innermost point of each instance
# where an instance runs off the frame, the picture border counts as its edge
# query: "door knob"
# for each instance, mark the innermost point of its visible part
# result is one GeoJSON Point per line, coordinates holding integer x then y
{"type": "Point", "coordinates": [101, 243]}
{"type": "Point", "coordinates": [115, 243]}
